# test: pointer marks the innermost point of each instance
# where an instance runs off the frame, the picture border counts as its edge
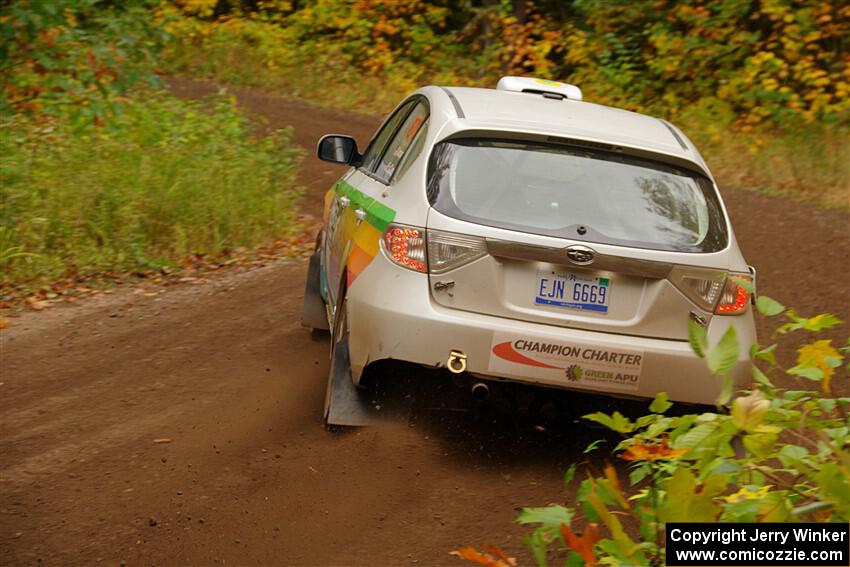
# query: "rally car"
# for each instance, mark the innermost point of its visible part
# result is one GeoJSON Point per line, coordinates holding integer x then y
{"type": "Point", "coordinates": [522, 234]}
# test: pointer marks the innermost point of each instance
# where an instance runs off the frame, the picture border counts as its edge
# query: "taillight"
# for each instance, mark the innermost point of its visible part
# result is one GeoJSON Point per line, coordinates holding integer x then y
{"type": "Point", "coordinates": [704, 291]}
{"type": "Point", "coordinates": [715, 292]}
{"type": "Point", "coordinates": [405, 246]}
{"type": "Point", "coordinates": [448, 250]}
{"type": "Point", "coordinates": [735, 296]}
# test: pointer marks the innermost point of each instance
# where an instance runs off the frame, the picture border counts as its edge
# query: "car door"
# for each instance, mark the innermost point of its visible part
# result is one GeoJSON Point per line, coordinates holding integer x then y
{"type": "Point", "coordinates": [384, 203]}
{"type": "Point", "coordinates": [353, 217]}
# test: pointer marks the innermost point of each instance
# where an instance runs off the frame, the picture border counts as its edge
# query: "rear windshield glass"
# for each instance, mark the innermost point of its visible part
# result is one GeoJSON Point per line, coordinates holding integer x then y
{"type": "Point", "coordinates": [576, 193]}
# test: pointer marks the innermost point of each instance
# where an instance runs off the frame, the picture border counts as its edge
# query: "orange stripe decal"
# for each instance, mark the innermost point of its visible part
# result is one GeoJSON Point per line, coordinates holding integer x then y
{"type": "Point", "coordinates": [358, 259]}
{"type": "Point", "coordinates": [506, 351]}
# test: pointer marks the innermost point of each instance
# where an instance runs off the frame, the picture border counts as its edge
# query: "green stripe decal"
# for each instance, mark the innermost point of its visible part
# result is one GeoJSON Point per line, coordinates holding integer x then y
{"type": "Point", "coordinates": [377, 214]}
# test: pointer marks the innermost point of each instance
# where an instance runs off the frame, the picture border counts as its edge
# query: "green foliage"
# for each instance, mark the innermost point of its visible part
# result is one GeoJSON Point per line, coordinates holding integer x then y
{"type": "Point", "coordinates": [721, 359]}
{"type": "Point", "coordinates": [75, 57]}
{"type": "Point", "coordinates": [761, 61]}
{"type": "Point", "coordinates": [779, 455]}
{"type": "Point", "coordinates": [98, 174]}
{"type": "Point", "coordinates": [791, 158]}
{"type": "Point", "coordinates": [550, 518]}
{"type": "Point", "coordinates": [363, 55]}
{"type": "Point", "coordinates": [813, 324]}
{"type": "Point", "coordinates": [616, 421]}
{"type": "Point", "coordinates": [762, 89]}
{"type": "Point", "coordinates": [731, 60]}
{"type": "Point", "coordinates": [697, 338]}
{"type": "Point", "coordinates": [164, 179]}
{"type": "Point", "coordinates": [660, 404]}
{"type": "Point", "coordinates": [768, 306]}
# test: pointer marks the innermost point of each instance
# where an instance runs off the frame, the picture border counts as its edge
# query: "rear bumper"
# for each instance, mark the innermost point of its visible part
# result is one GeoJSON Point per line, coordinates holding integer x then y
{"type": "Point", "coordinates": [392, 316]}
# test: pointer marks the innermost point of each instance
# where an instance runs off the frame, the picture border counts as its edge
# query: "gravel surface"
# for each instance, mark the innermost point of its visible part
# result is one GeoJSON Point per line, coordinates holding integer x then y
{"type": "Point", "coordinates": [183, 428]}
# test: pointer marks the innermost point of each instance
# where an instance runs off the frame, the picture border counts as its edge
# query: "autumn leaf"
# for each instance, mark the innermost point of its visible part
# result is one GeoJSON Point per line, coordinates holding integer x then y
{"type": "Point", "coordinates": [611, 520]}
{"type": "Point", "coordinates": [583, 544]}
{"type": "Point", "coordinates": [37, 305]}
{"type": "Point", "coordinates": [689, 500]}
{"type": "Point", "coordinates": [500, 553]}
{"type": "Point", "coordinates": [614, 483]}
{"type": "Point", "coordinates": [659, 451]}
{"type": "Point", "coordinates": [819, 354]}
{"type": "Point", "coordinates": [813, 324]}
{"type": "Point", "coordinates": [472, 555]}
{"type": "Point", "coordinates": [746, 494]}
{"type": "Point", "coordinates": [749, 411]}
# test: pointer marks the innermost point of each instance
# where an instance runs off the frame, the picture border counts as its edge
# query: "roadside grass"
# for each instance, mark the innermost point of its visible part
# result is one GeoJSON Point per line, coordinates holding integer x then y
{"type": "Point", "coordinates": [258, 54]}
{"type": "Point", "coordinates": [809, 161]}
{"type": "Point", "coordinates": [164, 179]}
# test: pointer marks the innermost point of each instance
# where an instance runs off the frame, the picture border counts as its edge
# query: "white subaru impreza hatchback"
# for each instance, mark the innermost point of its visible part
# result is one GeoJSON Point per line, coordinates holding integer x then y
{"type": "Point", "coordinates": [522, 234]}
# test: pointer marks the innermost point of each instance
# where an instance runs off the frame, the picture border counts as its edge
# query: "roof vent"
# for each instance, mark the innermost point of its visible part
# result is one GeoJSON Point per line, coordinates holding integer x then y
{"type": "Point", "coordinates": [549, 89]}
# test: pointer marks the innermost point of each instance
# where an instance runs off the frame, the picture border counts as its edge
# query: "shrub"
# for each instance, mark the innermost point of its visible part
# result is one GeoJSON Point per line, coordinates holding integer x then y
{"type": "Point", "coordinates": [163, 179]}
{"type": "Point", "coordinates": [75, 58]}
{"type": "Point", "coordinates": [765, 61]}
{"type": "Point", "coordinates": [779, 455]}
{"type": "Point", "coordinates": [762, 91]}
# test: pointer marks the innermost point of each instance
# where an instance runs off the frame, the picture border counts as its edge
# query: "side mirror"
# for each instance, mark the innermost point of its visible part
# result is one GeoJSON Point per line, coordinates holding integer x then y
{"type": "Point", "coordinates": [339, 149]}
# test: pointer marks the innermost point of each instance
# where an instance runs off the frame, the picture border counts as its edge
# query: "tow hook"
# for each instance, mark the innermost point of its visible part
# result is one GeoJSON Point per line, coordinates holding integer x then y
{"type": "Point", "coordinates": [456, 362]}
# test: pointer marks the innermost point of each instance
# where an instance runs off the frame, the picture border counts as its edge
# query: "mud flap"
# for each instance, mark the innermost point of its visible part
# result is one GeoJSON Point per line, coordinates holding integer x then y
{"type": "Point", "coordinates": [345, 403]}
{"type": "Point", "coordinates": [314, 315]}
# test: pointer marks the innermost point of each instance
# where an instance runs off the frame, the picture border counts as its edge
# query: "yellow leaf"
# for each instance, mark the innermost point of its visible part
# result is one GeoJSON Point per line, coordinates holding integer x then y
{"type": "Point", "coordinates": [747, 494]}
{"type": "Point", "coordinates": [614, 482]}
{"type": "Point", "coordinates": [610, 520]}
{"type": "Point", "coordinates": [815, 355]}
{"type": "Point", "coordinates": [749, 411]}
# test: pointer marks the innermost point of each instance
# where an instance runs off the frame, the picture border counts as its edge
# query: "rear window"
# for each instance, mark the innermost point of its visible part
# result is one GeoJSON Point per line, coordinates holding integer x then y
{"type": "Point", "coordinates": [576, 193]}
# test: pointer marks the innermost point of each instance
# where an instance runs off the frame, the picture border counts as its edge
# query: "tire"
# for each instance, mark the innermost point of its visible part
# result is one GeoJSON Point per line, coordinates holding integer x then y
{"type": "Point", "coordinates": [314, 312]}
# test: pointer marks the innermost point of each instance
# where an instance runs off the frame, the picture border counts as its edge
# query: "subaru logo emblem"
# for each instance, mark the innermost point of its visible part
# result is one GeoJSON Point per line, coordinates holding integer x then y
{"type": "Point", "coordinates": [581, 255]}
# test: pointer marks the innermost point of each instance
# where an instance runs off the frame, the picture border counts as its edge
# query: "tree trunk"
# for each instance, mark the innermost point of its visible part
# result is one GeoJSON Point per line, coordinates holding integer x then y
{"type": "Point", "coordinates": [519, 10]}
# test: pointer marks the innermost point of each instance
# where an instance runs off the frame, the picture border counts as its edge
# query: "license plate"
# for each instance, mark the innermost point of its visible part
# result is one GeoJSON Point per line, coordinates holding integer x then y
{"type": "Point", "coordinates": [573, 291]}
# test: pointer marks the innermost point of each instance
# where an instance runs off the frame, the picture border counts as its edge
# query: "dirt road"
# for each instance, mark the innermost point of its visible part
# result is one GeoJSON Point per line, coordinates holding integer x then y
{"type": "Point", "coordinates": [184, 428]}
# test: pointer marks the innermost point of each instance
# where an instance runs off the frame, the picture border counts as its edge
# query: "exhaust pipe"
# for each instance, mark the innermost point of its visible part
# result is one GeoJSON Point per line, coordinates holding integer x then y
{"type": "Point", "coordinates": [480, 391]}
{"type": "Point", "coordinates": [456, 362]}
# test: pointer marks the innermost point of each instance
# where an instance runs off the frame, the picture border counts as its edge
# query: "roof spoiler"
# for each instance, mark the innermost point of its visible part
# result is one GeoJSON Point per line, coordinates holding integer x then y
{"type": "Point", "coordinates": [545, 87]}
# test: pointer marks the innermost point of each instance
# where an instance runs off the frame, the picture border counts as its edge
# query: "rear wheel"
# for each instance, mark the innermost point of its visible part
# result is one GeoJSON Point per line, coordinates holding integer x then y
{"type": "Point", "coordinates": [314, 312]}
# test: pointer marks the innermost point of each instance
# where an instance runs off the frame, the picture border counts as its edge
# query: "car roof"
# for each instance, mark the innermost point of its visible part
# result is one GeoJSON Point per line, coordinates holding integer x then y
{"type": "Point", "coordinates": [491, 109]}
